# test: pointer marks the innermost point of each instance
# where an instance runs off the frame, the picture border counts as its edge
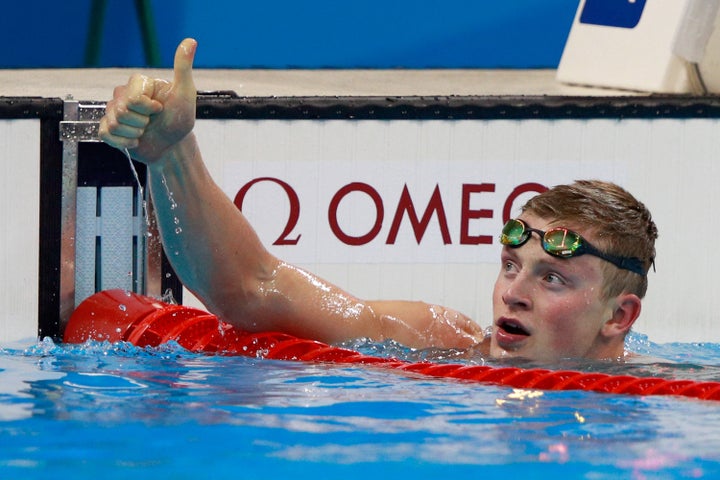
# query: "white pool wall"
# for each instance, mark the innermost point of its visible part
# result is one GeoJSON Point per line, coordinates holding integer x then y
{"type": "Point", "coordinates": [19, 217]}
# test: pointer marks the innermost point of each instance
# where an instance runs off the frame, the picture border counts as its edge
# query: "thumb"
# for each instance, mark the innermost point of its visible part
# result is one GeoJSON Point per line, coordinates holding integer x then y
{"type": "Point", "coordinates": [182, 70]}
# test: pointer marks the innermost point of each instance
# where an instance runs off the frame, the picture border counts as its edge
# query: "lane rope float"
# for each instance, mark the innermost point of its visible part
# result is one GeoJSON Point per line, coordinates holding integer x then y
{"type": "Point", "coordinates": [117, 315]}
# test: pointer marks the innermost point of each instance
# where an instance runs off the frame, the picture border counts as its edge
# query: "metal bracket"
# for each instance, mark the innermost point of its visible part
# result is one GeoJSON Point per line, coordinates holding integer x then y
{"type": "Point", "coordinates": [81, 121]}
{"type": "Point", "coordinates": [80, 131]}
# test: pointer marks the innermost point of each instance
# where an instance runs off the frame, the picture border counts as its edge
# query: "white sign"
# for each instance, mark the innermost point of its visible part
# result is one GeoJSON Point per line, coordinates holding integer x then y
{"type": "Point", "coordinates": [391, 191]}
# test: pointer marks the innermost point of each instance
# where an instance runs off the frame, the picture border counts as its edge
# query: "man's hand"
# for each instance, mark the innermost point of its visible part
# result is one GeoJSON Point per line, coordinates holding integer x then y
{"type": "Point", "coordinates": [149, 116]}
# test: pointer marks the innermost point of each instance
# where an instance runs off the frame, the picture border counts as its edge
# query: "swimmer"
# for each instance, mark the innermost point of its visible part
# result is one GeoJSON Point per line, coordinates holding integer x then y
{"type": "Point", "coordinates": [573, 266]}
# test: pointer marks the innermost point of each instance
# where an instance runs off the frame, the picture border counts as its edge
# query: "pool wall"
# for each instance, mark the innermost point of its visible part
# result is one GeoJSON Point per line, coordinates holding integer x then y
{"type": "Point", "coordinates": [20, 214]}
{"type": "Point", "coordinates": [361, 173]}
{"type": "Point", "coordinates": [471, 162]}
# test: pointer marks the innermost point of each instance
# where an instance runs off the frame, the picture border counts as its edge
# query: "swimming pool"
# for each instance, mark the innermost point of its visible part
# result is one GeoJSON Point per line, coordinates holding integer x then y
{"type": "Point", "coordinates": [79, 411]}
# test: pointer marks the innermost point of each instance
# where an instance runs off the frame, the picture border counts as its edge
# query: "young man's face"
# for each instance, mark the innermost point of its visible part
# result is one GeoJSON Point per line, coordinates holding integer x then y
{"type": "Point", "coordinates": [545, 307]}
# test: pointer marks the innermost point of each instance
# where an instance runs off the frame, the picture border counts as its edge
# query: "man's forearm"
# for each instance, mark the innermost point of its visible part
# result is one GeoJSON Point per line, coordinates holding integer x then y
{"type": "Point", "coordinates": [211, 246]}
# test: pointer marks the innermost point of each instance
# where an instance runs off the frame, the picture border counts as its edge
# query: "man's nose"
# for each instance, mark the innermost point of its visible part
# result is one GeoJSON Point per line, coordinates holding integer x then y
{"type": "Point", "coordinates": [517, 292]}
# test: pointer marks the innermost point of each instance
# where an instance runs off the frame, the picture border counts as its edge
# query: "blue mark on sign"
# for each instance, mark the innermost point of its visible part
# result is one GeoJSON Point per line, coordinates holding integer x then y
{"type": "Point", "coordinates": [613, 13]}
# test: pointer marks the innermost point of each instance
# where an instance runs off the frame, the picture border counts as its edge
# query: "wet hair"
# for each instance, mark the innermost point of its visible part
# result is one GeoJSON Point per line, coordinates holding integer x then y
{"type": "Point", "coordinates": [618, 223]}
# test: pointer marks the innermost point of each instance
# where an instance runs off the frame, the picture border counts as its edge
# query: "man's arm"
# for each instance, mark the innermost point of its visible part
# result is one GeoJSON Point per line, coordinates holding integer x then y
{"type": "Point", "coordinates": [216, 252]}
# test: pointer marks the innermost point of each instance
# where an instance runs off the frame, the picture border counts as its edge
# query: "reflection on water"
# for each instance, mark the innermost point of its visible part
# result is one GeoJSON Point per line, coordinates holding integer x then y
{"type": "Point", "coordinates": [116, 410]}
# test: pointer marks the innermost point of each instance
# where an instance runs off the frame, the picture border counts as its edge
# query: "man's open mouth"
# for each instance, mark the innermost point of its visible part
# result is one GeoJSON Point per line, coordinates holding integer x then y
{"type": "Point", "coordinates": [512, 328]}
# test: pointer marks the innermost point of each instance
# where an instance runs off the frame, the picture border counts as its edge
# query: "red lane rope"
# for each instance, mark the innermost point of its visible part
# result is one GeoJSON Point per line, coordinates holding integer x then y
{"type": "Point", "coordinates": [117, 315]}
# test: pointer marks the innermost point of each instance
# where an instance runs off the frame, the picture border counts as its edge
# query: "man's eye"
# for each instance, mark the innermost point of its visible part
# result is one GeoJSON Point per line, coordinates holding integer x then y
{"type": "Point", "coordinates": [554, 278]}
{"type": "Point", "coordinates": [509, 266]}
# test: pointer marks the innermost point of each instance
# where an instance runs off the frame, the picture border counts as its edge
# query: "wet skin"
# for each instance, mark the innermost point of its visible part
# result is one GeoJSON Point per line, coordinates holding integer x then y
{"type": "Point", "coordinates": [547, 308]}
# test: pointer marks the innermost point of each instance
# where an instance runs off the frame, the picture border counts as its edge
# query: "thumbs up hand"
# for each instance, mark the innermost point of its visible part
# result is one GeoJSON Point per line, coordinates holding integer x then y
{"type": "Point", "coordinates": [149, 116]}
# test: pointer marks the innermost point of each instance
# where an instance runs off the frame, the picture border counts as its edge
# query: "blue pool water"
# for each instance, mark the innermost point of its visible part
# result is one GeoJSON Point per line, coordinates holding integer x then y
{"type": "Point", "coordinates": [116, 411]}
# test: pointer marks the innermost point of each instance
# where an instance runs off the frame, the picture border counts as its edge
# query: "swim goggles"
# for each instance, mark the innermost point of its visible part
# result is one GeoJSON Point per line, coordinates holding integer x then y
{"type": "Point", "coordinates": [564, 243]}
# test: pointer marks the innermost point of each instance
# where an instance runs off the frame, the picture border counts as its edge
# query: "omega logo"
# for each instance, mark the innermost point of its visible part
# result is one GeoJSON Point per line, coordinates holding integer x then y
{"type": "Point", "coordinates": [405, 208]}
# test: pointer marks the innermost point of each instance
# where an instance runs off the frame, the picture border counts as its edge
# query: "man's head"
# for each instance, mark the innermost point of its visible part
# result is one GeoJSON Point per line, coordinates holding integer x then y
{"type": "Point", "coordinates": [620, 224]}
{"type": "Point", "coordinates": [547, 307]}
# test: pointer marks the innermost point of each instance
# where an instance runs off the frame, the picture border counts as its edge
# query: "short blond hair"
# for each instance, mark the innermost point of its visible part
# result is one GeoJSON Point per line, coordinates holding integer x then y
{"type": "Point", "coordinates": [619, 223]}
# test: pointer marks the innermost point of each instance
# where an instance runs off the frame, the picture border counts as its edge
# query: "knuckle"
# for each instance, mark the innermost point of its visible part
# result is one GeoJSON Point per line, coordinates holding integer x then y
{"type": "Point", "coordinates": [110, 121]}
{"type": "Point", "coordinates": [119, 91]}
{"type": "Point", "coordinates": [121, 109]}
{"type": "Point", "coordinates": [138, 78]}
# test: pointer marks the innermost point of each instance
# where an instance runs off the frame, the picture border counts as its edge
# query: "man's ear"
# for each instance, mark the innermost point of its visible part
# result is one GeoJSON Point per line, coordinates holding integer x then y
{"type": "Point", "coordinates": [626, 310]}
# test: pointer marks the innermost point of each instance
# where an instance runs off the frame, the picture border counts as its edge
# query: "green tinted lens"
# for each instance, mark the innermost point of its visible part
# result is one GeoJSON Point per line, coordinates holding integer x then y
{"type": "Point", "coordinates": [562, 242]}
{"type": "Point", "coordinates": [514, 233]}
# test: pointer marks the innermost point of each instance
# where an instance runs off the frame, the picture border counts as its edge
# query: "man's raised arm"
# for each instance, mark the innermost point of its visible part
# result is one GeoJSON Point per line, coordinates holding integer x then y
{"type": "Point", "coordinates": [217, 254]}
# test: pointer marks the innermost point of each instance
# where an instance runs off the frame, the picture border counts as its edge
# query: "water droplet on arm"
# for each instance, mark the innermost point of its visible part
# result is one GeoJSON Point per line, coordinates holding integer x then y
{"type": "Point", "coordinates": [173, 206]}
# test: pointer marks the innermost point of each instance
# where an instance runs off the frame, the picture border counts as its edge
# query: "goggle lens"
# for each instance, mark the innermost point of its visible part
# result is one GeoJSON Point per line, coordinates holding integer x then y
{"type": "Point", "coordinates": [514, 233]}
{"type": "Point", "coordinates": [562, 242]}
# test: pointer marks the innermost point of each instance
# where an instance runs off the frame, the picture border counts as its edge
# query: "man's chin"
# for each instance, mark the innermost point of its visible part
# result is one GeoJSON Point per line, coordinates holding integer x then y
{"type": "Point", "coordinates": [521, 353]}
{"type": "Point", "coordinates": [515, 346]}
{"type": "Point", "coordinates": [499, 352]}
